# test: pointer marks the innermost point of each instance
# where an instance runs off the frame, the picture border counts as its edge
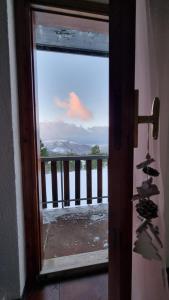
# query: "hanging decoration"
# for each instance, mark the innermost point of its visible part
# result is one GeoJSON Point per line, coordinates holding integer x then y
{"type": "Point", "coordinates": [148, 242]}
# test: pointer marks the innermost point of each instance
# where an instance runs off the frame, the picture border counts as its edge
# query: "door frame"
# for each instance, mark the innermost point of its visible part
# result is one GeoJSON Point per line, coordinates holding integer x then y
{"type": "Point", "coordinates": [27, 120]}
{"type": "Point", "coordinates": [121, 125]}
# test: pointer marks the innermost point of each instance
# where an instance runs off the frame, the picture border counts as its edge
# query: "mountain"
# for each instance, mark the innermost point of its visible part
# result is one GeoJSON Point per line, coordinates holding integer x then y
{"type": "Point", "coordinates": [65, 147]}
{"type": "Point", "coordinates": [58, 131]}
{"type": "Point", "coordinates": [68, 147]}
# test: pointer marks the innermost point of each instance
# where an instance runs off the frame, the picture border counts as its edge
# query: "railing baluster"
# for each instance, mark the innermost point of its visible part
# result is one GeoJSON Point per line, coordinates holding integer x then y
{"type": "Point", "coordinates": [61, 164]}
{"type": "Point", "coordinates": [66, 183]}
{"type": "Point", "coordinates": [43, 181]}
{"type": "Point", "coordinates": [61, 181]}
{"type": "Point", "coordinates": [54, 183]}
{"type": "Point", "coordinates": [77, 182]}
{"type": "Point", "coordinates": [89, 181]}
{"type": "Point", "coordinates": [99, 181]}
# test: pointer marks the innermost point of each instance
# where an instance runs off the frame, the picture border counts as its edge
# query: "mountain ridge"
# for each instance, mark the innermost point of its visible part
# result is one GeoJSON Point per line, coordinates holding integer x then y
{"type": "Point", "coordinates": [62, 146]}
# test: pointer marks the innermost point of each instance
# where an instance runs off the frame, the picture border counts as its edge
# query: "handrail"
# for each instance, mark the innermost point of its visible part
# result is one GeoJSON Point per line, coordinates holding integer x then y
{"type": "Point", "coordinates": [60, 166]}
{"type": "Point", "coordinates": [70, 158]}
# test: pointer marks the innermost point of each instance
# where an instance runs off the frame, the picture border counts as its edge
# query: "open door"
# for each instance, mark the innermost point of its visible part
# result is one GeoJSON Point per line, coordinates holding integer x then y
{"type": "Point", "coordinates": [121, 117]}
{"type": "Point", "coordinates": [121, 120]}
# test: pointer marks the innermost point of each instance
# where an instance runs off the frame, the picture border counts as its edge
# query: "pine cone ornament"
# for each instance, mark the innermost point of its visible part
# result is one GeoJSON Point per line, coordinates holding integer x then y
{"type": "Point", "coordinates": [147, 209]}
{"type": "Point", "coordinates": [147, 233]}
{"type": "Point", "coordinates": [150, 171]}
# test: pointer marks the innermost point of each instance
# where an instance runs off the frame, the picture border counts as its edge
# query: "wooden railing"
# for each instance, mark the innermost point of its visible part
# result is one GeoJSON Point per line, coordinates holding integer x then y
{"type": "Point", "coordinates": [60, 166]}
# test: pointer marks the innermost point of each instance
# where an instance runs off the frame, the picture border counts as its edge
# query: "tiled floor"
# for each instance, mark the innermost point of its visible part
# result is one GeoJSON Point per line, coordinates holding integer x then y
{"type": "Point", "coordinates": [75, 230]}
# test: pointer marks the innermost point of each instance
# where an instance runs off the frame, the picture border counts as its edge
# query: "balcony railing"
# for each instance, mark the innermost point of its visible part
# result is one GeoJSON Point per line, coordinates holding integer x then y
{"type": "Point", "coordinates": [60, 168]}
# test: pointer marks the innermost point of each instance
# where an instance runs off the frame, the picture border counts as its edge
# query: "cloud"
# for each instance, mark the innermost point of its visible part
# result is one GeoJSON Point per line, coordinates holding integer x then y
{"type": "Point", "coordinates": [74, 107]}
{"type": "Point", "coordinates": [71, 132]}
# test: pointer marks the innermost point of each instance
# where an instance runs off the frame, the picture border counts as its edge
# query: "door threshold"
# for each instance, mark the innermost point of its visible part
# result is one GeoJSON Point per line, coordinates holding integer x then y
{"type": "Point", "coordinates": [75, 264]}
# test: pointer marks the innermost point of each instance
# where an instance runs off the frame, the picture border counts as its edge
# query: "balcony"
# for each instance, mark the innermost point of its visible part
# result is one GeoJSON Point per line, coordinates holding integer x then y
{"type": "Point", "coordinates": [74, 202]}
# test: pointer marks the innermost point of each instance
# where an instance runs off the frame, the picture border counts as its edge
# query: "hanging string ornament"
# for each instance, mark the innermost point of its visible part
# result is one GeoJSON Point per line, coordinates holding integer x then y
{"type": "Point", "coordinates": [147, 233]}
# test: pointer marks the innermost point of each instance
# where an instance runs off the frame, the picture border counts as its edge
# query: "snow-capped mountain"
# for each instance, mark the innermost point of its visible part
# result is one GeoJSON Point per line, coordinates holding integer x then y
{"type": "Point", "coordinates": [65, 147]}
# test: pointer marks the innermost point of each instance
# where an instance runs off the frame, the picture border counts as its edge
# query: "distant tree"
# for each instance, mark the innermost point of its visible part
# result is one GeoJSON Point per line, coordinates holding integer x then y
{"type": "Point", "coordinates": [95, 150]}
{"type": "Point", "coordinates": [43, 149]}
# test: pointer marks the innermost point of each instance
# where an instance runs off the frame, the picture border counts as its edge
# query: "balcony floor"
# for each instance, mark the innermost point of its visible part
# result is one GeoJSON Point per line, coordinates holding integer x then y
{"type": "Point", "coordinates": [75, 230]}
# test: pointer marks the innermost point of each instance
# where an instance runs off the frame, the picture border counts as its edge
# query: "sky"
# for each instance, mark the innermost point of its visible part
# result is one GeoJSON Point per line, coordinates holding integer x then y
{"type": "Point", "coordinates": [67, 82]}
{"type": "Point", "coordinates": [72, 90]}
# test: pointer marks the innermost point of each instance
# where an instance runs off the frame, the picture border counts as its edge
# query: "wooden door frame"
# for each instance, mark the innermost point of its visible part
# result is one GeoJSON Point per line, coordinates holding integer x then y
{"type": "Point", "coordinates": [29, 155]}
{"type": "Point", "coordinates": [121, 125]}
{"type": "Point", "coordinates": [27, 120]}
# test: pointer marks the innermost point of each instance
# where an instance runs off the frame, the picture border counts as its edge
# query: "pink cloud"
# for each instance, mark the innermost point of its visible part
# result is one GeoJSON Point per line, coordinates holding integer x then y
{"type": "Point", "coordinates": [75, 109]}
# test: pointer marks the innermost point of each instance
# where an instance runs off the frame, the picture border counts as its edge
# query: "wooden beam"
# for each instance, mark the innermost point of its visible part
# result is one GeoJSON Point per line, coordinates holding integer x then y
{"type": "Point", "coordinates": [84, 6]}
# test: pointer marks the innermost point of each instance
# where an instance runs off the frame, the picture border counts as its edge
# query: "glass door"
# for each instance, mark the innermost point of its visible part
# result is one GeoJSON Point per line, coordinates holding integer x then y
{"type": "Point", "coordinates": [72, 66]}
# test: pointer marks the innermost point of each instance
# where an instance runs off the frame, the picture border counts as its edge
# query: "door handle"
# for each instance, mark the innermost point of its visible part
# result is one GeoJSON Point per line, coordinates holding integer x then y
{"type": "Point", "coordinates": [152, 119]}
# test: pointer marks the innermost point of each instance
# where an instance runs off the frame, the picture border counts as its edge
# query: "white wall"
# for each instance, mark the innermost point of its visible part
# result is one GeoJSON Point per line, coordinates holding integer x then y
{"type": "Point", "coordinates": [152, 79]}
{"type": "Point", "coordinates": [160, 25]}
{"type": "Point", "coordinates": [152, 75]}
{"type": "Point", "coordinates": [12, 248]}
{"type": "Point", "coordinates": [158, 15]}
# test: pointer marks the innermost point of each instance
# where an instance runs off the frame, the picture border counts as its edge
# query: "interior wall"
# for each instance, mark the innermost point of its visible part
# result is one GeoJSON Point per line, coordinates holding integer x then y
{"type": "Point", "coordinates": [12, 248]}
{"type": "Point", "coordinates": [158, 60]}
{"type": "Point", "coordinates": [159, 11]}
{"type": "Point", "coordinates": [149, 276]}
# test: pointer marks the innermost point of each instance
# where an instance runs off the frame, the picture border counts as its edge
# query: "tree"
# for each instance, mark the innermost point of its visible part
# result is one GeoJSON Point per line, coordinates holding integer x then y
{"type": "Point", "coordinates": [43, 149]}
{"type": "Point", "coordinates": [95, 150]}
